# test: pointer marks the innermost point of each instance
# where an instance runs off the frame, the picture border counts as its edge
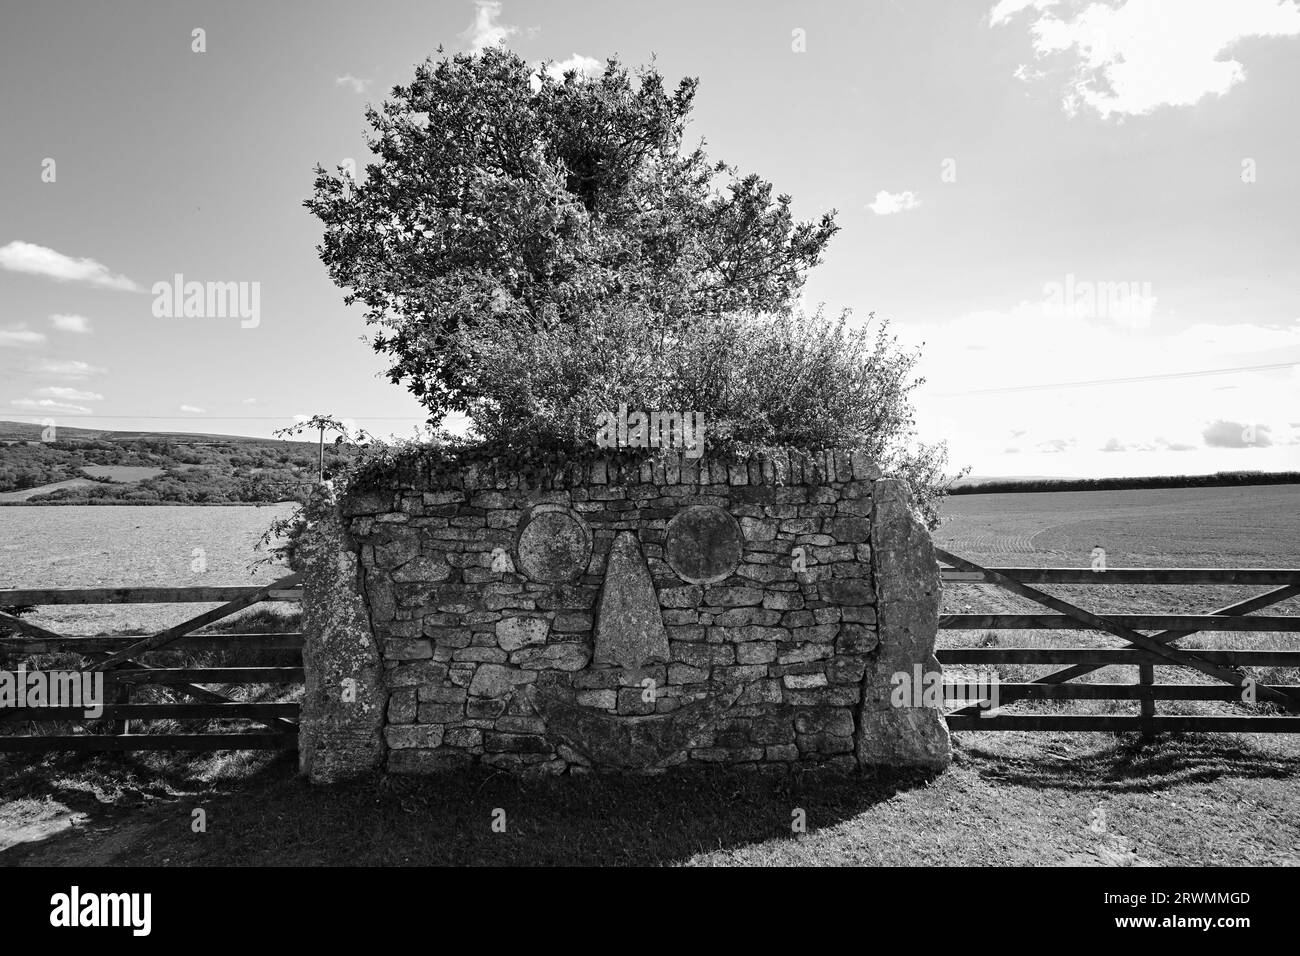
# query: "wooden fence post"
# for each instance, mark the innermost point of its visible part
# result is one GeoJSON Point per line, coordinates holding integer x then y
{"type": "Point", "coordinates": [1147, 677]}
{"type": "Point", "coordinates": [117, 692]}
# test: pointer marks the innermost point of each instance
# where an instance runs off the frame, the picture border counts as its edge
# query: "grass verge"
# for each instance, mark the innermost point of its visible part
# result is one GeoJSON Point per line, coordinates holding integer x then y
{"type": "Point", "coordinates": [1008, 799]}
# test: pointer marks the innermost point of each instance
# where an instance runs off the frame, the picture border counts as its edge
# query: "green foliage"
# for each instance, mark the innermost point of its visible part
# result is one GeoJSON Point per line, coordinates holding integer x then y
{"type": "Point", "coordinates": [357, 455]}
{"type": "Point", "coordinates": [335, 454]}
{"type": "Point", "coordinates": [760, 381]}
{"type": "Point", "coordinates": [786, 380]}
{"type": "Point", "coordinates": [498, 195]}
{"type": "Point", "coordinates": [215, 473]}
{"type": "Point", "coordinates": [25, 466]}
{"type": "Point", "coordinates": [536, 250]}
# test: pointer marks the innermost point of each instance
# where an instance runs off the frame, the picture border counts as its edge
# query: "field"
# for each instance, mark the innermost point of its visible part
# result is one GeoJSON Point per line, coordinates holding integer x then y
{"type": "Point", "coordinates": [85, 546]}
{"type": "Point", "coordinates": [137, 468]}
{"type": "Point", "coordinates": [122, 472]}
{"type": "Point", "coordinates": [1186, 527]}
{"type": "Point", "coordinates": [1008, 799]}
{"type": "Point", "coordinates": [1253, 526]}
{"type": "Point", "coordinates": [28, 493]}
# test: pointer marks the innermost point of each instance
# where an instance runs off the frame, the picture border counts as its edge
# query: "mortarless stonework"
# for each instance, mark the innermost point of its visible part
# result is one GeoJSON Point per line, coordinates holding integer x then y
{"type": "Point", "coordinates": [908, 591]}
{"type": "Point", "coordinates": [636, 616]}
{"type": "Point", "coordinates": [340, 734]}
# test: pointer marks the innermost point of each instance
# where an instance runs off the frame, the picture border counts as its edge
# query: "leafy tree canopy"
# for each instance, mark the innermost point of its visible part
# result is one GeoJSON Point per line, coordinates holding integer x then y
{"type": "Point", "coordinates": [503, 194]}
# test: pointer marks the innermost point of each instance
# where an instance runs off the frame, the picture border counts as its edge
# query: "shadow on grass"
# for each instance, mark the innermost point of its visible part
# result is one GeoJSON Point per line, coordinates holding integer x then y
{"type": "Point", "coordinates": [273, 817]}
{"type": "Point", "coordinates": [1125, 763]}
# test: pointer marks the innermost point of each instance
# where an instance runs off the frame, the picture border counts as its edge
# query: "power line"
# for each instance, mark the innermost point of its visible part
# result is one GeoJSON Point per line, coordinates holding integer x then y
{"type": "Point", "coordinates": [1167, 376]}
{"type": "Point", "coordinates": [1123, 381]}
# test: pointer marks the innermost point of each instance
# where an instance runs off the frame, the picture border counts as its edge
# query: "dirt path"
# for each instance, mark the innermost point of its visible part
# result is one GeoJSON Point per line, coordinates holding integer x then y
{"type": "Point", "coordinates": [53, 835]}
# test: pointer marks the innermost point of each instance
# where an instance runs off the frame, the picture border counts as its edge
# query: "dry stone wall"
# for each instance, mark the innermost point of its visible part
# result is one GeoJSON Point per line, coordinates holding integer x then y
{"type": "Point", "coordinates": [635, 616]}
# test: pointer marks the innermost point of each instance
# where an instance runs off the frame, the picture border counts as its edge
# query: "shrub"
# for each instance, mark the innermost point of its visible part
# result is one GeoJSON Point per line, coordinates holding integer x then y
{"type": "Point", "coordinates": [534, 250]}
{"type": "Point", "coordinates": [497, 189]}
{"type": "Point", "coordinates": [760, 381]}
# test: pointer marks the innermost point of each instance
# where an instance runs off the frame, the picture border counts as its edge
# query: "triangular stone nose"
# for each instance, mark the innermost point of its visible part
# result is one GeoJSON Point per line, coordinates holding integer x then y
{"type": "Point", "coordinates": [629, 629]}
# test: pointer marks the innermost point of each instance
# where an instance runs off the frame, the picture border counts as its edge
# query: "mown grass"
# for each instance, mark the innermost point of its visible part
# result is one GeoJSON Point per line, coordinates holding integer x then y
{"type": "Point", "coordinates": [1007, 800]}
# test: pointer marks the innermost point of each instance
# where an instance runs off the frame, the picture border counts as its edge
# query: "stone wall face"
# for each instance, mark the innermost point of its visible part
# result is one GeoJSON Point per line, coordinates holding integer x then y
{"type": "Point", "coordinates": [616, 615]}
{"type": "Point", "coordinates": [340, 733]}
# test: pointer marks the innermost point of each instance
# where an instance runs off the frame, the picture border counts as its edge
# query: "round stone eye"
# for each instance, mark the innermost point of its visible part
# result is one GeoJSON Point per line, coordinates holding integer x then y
{"type": "Point", "coordinates": [554, 544]}
{"type": "Point", "coordinates": [703, 544]}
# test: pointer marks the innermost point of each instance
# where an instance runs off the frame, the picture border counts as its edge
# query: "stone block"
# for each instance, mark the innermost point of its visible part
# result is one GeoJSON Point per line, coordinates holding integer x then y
{"type": "Point", "coordinates": [402, 736]}
{"type": "Point", "coordinates": [513, 633]}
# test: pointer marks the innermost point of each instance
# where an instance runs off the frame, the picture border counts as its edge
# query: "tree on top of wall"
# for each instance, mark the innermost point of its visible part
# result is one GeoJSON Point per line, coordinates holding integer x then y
{"type": "Point", "coordinates": [497, 191]}
{"type": "Point", "coordinates": [531, 247]}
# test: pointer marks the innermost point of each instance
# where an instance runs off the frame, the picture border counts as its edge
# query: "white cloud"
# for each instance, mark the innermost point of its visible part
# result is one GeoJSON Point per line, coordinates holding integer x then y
{"type": "Point", "coordinates": [191, 408]}
{"type": "Point", "coordinates": [249, 401]}
{"type": "Point", "coordinates": [1154, 444]}
{"type": "Point", "coordinates": [486, 31]}
{"type": "Point", "coordinates": [583, 65]}
{"type": "Point", "coordinates": [357, 83]}
{"type": "Point", "coordinates": [1006, 9]}
{"type": "Point", "coordinates": [996, 348]}
{"type": "Point", "coordinates": [48, 405]}
{"type": "Point", "coordinates": [1237, 339]}
{"type": "Point", "coordinates": [1226, 434]}
{"type": "Point", "coordinates": [71, 323]}
{"type": "Point", "coordinates": [886, 203]}
{"type": "Point", "coordinates": [1131, 58]}
{"type": "Point", "coordinates": [20, 256]}
{"type": "Point", "coordinates": [1025, 74]}
{"type": "Point", "coordinates": [1160, 426]}
{"type": "Point", "coordinates": [1125, 301]}
{"type": "Point", "coordinates": [1053, 446]}
{"type": "Point", "coordinates": [68, 368]}
{"type": "Point", "coordinates": [21, 335]}
{"type": "Point", "coordinates": [69, 394]}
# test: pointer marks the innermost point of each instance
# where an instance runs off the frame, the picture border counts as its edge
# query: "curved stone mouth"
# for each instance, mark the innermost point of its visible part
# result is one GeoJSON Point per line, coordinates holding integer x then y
{"type": "Point", "coordinates": [629, 741]}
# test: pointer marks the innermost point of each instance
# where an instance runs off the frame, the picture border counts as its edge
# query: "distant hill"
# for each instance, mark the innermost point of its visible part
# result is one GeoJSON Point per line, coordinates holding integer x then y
{"type": "Point", "coordinates": [26, 431]}
{"type": "Point", "coordinates": [1219, 479]}
{"type": "Point", "coordinates": [982, 480]}
{"type": "Point", "coordinates": [99, 466]}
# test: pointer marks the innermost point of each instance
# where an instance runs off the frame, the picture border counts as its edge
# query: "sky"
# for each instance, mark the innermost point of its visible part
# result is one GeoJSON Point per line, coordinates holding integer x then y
{"type": "Point", "coordinates": [1083, 213]}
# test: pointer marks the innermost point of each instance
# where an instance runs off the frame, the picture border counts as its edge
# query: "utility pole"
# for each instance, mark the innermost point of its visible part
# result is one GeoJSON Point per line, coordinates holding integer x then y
{"type": "Point", "coordinates": [321, 467]}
